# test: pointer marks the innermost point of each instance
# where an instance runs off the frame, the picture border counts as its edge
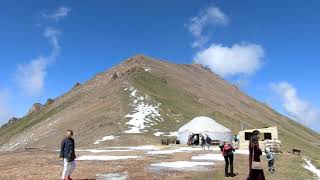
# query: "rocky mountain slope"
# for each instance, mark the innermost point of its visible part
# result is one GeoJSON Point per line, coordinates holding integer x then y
{"type": "Point", "coordinates": [142, 96]}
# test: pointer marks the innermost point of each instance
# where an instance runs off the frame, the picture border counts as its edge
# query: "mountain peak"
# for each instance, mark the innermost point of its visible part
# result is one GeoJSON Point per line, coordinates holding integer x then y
{"type": "Point", "coordinates": [137, 60]}
{"type": "Point", "coordinates": [130, 65]}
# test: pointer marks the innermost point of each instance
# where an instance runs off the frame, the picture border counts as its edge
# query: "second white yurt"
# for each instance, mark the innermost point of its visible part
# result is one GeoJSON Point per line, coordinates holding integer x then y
{"type": "Point", "coordinates": [204, 125]}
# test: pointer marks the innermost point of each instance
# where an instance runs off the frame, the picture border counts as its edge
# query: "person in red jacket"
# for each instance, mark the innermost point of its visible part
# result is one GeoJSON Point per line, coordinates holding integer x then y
{"type": "Point", "coordinates": [227, 151]}
{"type": "Point", "coordinates": [254, 155]}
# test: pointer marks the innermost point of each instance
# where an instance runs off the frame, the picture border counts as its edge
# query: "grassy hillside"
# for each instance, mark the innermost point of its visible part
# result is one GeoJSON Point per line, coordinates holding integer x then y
{"type": "Point", "coordinates": [177, 106]}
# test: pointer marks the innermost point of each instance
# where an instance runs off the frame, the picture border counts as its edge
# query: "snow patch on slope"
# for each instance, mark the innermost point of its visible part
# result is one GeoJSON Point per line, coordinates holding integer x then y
{"type": "Point", "coordinates": [309, 166]}
{"type": "Point", "coordinates": [172, 151]}
{"type": "Point", "coordinates": [105, 158]}
{"type": "Point", "coordinates": [140, 148]}
{"type": "Point", "coordinates": [209, 157]}
{"type": "Point", "coordinates": [243, 152]}
{"type": "Point", "coordinates": [182, 164]}
{"type": "Point", "coordinates": [158, 134]}
{"type": "Point", "coordinates": [144, 114]}
{"type": "Point", "coordinates": [119, 149]}
{"type": "Point", "coordinates": [169, 134]}
{"type": "Point", "coordinates": [112, 176]}
{"type": "Point", "coordinates": [102, 150]}
{"type": "Point", "coordinates": [106, 138]}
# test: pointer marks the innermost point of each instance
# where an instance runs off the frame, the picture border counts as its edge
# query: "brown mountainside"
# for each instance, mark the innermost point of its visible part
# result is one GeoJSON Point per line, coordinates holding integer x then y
{"type": "Point", "coordinates": [180, 92]}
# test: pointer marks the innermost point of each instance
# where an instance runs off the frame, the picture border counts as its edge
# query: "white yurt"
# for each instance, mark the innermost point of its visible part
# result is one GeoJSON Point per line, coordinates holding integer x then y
{"type": "Point", "coordinates": [204, 125]}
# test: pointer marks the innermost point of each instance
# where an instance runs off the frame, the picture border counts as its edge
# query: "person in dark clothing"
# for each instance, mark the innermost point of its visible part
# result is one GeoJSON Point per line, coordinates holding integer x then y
{"type": "Point", "coordinates": [208, 141]}
{"type": "Point", "coordinates": [190, 139]}
{"type": "Point", "coordinates": [235, 139]}
{"type": "Point", "coordinates": [254, 155]}
{"type": "Point", "coordinates": [67, 153]}
{"type": "Point", "coordinates": [203, 142]}
{"type": "Point", "coordinates": [227, 152]}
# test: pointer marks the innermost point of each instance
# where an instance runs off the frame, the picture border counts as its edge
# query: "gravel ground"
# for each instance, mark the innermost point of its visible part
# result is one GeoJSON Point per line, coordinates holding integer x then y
{"type": "Point", "coordinates": [45, 164]}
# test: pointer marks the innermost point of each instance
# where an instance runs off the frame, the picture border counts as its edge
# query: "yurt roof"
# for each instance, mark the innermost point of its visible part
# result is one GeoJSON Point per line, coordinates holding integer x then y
{"type": "Point", "coordinates": [203, 124]}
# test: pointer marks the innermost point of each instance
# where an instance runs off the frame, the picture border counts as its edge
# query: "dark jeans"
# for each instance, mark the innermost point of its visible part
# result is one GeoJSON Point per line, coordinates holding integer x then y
{"type": "Point", "coordinates": [229, 161]}
{"type": "Point", "coordinates": [270, 165]}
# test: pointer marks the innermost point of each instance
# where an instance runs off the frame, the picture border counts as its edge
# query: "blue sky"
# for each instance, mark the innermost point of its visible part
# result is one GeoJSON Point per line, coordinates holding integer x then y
{"type": "Point", "coordinates": [269, 48]}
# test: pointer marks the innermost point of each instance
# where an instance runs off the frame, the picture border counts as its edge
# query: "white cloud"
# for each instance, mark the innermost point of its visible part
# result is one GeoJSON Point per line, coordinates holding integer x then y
{"type": "Point", "coordinates": [52, 35]}
{"type": "Point", "coordinates": [4, 107]}
{"type": "Point", "coordinates": [31, 76]}
{"type": "Point", "coordinates": [58, 14]}
{"type": "Point", "coordinates": [212, 16]}
{"type": "Point", "coordinates": [300, 110]}
{"type": "Point", "coordinates": [239, 59]}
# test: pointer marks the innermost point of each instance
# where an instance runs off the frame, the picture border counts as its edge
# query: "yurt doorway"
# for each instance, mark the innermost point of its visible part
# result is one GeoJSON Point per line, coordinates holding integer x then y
{"type": "Point", "coordinates": [195, 139]}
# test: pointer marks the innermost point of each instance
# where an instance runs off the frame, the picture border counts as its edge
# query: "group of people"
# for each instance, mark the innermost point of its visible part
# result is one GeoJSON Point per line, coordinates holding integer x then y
{"type": "Point", "coordinates": [205, 141]}
{"type": "Point", "coordinates": [199, 139]}
{"type": "Point", "coordinates": [255, 165]}
{"type": "Point", "coordinates": [67, 154]}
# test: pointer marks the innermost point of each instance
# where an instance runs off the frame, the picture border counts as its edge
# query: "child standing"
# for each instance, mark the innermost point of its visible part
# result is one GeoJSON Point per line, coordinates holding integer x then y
{"type": "Point", "coordinates": [270, 158]}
